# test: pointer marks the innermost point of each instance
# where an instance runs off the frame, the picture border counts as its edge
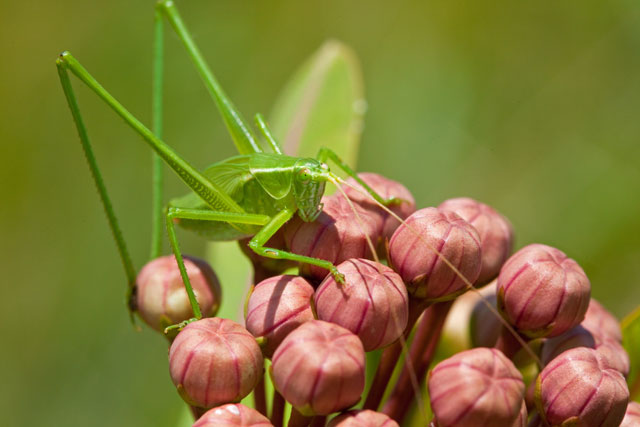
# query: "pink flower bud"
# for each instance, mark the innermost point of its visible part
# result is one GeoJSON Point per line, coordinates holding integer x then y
{"type": "Point", "coordinates": [276, 307]}
{"type": "Point", "coordinates": [521, 420]}
{"type": "Point", "coordinates": [632, 416]}
{"type": "Point", "coordinates": [214, 361]}
{"type": "Point", "coordinates": [427, 276]}
{"type": "Point", "coordinates": [602, 324]}
{"type": "Point", "coordinates": [386, 189]}
{"type": "Point", "coordinates": [232, 415]}
{"type": "Point", "coordinates": [372, 303]}
{"type": "Point", "coordinates": [263, 266]}
{"type": "Point", "coordinates": [542, 292]}
{"type": "Point", "coordinates": [161, 298]}
{"type": "Point", "coordinates": [496, 234]}
{"type": "Point", "coordinates": [574, 337]}
{"type": "Point", "coordinates": [478, 387]}
{"type": "Point", "coordinates": [615, 355]}
{"type": "Point", "coordinates": [365, 418]}
{"type": "Point", "coordinates": [579, 387]}
{"type": "Point", "coordinates": [319, 368]}
{"type": "Point", "coordinates": [336, 235]}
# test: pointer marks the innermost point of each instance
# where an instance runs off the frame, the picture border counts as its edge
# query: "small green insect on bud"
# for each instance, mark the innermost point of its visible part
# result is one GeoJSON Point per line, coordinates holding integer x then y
{"type": "Point", "coordinates": [496, 234]}
{"type": "Point", "coordinates": [319, 368]}
{"type": "Point", "coordinates": [579, 388]}
{"type": "Point", "coordinates": [542, 292]}
{"type": "Point", "coordinates": [412, 253]}
{"type": "Point", "coordinates": [277, 306]}
{"type": "Point", "coordinates": [214, 361]}
{"type": "Point", "coordinates": [476, 388]}
{"type": "Point", "coordinates": [161, 298]}
{"type": "Point", "coordinates": [232, 415]}
{"type": "Point", "coordinates": [372, 303]}
{"type": "Point", "coordinates": [365, 418]}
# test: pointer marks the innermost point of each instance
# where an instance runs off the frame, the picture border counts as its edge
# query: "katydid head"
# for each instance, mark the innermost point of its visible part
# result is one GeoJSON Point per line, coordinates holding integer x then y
{"type": "Point", "coordinates": [309, 179]}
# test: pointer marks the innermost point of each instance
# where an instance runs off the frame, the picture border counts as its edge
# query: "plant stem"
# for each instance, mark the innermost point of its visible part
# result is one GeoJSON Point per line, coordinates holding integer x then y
{"type": "Point", "coordinates": [277, 409]}
{"type": "Point", "coordinates": [297, 419]}
{"type": "Point", "coordinates": [390, 357]}
{"type": "Point", "coordinates": [318, 421]}
{"type": "Point", "coordinates": [422, 350]}
{"type": "Point", "coordinates": [259, 396]}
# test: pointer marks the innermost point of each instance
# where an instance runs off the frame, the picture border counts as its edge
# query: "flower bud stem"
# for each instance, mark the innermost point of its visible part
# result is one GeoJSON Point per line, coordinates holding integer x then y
{"type": "Point", "coordinates": [422, 350]}
{"type": "Point", "coordinates": [259, 396]}
{"type": "Point", "coordinates": [277, 409]}
{"type": "Point", "coordinates": [318, 421]}
{"type": "Point", "coordinates": [508, 344]}
{"type": "Point", "coordinates": [297, 419]}
{"type": "Point", "coordinates": [390, 357]}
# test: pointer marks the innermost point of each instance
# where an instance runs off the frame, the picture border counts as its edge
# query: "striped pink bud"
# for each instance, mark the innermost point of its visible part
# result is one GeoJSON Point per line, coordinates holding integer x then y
{"type": "Point", "coordinates": [319, 368]}
{"type": "Point", "coordinates": [476, 388]}
{"type": "Point", "coordinates": [387, 189]}
{"type": "Point", "coordinates": [632, 415]}
{"type": "Point", "coordinates": [276, 307]}
{"type": "Point", "coordinates": [579, 388]}
{"type": "Point", "coordinates": [214, 361]}
{"type": "Point", "coordinates": [542, 292]}
{"type": "Point", "coordinates": [365, 418]}
{"type": "Point", "coordinates": [496, 234]}
{"type": "Point", "coordinates": [412, 253]}
{"type": "Point", "coordinates": [601, 323]}
{"type": "Point", "coordinates": [336, 235]}
{"type": "Point", "coordinates": [372, 303]}
{"type": "Point", "coordinates": [161, 298]}
{"type": "Point", "coordinates": [232, 415]}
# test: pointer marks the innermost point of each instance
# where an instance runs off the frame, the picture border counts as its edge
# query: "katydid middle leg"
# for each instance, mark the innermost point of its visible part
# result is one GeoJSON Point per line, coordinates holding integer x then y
{"type": "Point", "coordinates": [270, 225]}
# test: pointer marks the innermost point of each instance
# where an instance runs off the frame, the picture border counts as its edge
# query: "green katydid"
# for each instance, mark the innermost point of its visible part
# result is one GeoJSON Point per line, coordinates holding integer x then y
{"type": "Point", "coordinates": [252, 194]}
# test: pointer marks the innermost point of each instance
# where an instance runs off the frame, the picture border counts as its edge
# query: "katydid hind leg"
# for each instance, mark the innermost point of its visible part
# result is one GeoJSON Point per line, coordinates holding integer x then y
{"type": "Point", "coordinates": [209, 192]}
{"type": "Point", "coordinates": [157, 209]}
{"type": "Point", "coordinates": [123, 250]}
{"type": "Point", "coordinates": [262, 237]}
{"type": "Point", "coordinates": [243, 137]}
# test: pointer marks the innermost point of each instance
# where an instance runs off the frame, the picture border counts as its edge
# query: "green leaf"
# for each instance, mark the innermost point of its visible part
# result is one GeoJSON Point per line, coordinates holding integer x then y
{"type": "Point", "coordinates": [322, 105]}
{"type": "Point", "coordinates": [631, 343]}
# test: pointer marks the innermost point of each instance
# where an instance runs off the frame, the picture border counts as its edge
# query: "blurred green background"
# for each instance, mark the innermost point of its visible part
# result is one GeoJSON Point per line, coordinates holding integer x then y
{"type": "Point", "coordinates": [531, 107]}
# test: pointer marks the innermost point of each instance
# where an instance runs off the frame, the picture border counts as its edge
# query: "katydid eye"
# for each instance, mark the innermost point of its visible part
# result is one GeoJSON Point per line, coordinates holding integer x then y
{"type": "Point", "coordinates": [305, 174]}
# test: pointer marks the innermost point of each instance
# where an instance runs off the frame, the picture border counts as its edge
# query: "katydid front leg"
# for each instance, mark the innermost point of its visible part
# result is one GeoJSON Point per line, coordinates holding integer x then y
{"type": "Point", "coordinates": [262, 237]}
{"type": "Point", "coordinates": [325, 153]}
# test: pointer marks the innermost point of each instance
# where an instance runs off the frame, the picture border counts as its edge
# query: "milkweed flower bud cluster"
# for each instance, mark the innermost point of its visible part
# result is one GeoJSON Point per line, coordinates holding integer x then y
{"type": "Point", "coordinates": [316, 329]}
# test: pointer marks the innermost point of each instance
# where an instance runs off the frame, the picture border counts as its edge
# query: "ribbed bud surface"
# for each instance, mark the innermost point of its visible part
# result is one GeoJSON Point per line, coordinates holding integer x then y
{"type": "Point", "coordinates": [214, 361]}
{"type": "Point", "coordinates": [365, 418]}
{"type": "Point", "coordinates": [386, 188]}
{"type": "Point", "coordinates": [276, 307]}
{"type": "Point", "coordinates": [319, 368]}
{"type": "Point", "coordinates": [161, 297]}
{"type": "Point", "coordinates": [336, 235]}
{"type": "Point", "coordinates": [412, 253]}
{"type": "Point", "coordinates": [232, 415]}
{"type": "Point", "coordinates": [542, 292]}
{"type": "Point", "coordinates": [632, 416]}
{"type": "Point", "coordinates": [476, 388]}
{"type": "Point", "coordinates": [372, 303]}
{"type": "Point", "coordinates": [601, 323]}
{"type": "Point", "coordinates": [496, 234]}
{"type": "Point", "coordinates": [578, 386]}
